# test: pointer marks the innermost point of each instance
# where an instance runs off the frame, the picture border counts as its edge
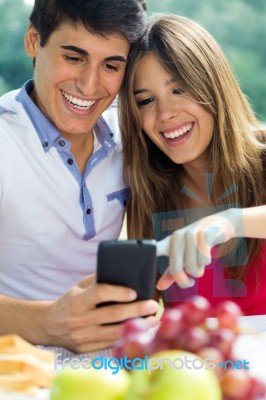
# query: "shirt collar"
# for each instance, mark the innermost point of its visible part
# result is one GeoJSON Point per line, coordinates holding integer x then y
{"type": "Point", "coordinates": [47, 132]}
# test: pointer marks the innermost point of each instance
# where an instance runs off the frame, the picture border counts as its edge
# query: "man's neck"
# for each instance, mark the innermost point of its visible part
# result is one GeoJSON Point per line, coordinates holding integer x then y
{"type": "Point", "coordinates": [81, 147]}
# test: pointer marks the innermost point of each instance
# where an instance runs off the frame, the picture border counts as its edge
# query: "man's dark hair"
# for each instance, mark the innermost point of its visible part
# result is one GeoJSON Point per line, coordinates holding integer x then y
{"type": "Point", "coordinates": [126, 18]}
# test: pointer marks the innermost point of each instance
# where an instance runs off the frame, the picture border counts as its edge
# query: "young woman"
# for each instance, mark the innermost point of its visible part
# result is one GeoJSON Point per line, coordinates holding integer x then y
{"type": "Point", "coordinates": [193, 147]}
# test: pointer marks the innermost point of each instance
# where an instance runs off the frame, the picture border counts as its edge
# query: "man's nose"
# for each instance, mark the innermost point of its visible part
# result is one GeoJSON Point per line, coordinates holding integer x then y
{"type": "Point", "coordinates": [88, 82]}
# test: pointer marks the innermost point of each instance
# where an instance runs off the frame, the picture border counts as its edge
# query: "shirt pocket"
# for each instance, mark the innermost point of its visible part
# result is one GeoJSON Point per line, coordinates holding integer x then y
{"type": "Point", "coordinates": [121, 195]}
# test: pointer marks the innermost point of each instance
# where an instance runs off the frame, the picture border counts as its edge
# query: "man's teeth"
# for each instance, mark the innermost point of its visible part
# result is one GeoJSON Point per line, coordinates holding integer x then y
{"type": "Point", "coordinates": [179, 132]}
{"type": "Point", "coordinates": [78, 103]}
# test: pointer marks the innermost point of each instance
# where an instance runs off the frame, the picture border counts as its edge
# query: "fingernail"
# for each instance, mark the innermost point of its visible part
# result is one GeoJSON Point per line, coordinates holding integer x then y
{"type": "Point", "coordinates": [132, 295]}
{"type": "Point", "coordinates": [201, 272]}
{"type": "Point", "coordinates": [152, 307]}
{"type": "Point", "coordinates": [161, 286]}
{"type": "Point", "coordinates": [188, 284]}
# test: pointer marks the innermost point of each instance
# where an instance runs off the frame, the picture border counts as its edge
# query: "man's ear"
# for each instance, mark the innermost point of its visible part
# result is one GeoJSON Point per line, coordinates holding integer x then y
{"type": "Point", "coordinates": [32, 41]}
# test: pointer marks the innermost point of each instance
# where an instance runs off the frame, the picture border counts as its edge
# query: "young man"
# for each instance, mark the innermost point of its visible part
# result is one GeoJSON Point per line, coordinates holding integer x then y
{"type": "Point", "coordinates": [61, 184]}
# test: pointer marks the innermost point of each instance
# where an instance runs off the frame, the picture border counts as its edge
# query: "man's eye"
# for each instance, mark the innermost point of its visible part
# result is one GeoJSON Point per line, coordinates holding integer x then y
{"type": "Point", "coordinates": [72, 59]}
{"type": "Point", "coordinates": [111, 67]}
{"type": "Point", "coordinates": [144, 102]}
{"type": "Point", "coordinates": [178, 91]}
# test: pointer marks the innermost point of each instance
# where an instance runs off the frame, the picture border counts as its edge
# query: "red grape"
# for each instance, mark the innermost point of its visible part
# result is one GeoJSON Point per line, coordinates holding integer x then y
{"type": "Point", "coordinates": [236, 384]}
{"type": "Point", "coordinates": [227, 313]}
{"type": "Point", "coordinates": [196, 310]}
{"type": "Point", "coordinates": [215, 356]}
{"type": "Point", "coordinates": [193, 339]}
{"type": "Point", "coordinates": [257, 389]}
{"type": "Point", "coordinates": [172, 324]}
{"type": "Point", "coordinates": [222, 339]}
{"type": "Point", "coordinates": [134, 325]}
{"type": "Point", "coordinates": [137, 345]}
{"type": "Point", "coordinates": [161, 344]}
{"type": "Point", "coordinates": [118, 350]}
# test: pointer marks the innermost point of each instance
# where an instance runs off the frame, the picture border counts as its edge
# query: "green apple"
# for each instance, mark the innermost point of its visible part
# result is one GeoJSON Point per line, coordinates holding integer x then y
{"type": "Point", "coordinates": [91, 384]}
{"type": "Point", "coordinates": [168, 383]}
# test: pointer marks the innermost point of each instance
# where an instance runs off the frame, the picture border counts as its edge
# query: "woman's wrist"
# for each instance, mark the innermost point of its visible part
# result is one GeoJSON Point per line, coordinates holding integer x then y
{"type": "Point", "coordinates": [235, 217]}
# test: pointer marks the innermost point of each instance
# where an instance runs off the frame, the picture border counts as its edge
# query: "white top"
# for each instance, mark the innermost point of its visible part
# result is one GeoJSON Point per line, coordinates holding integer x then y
{"type": "Point", "coordinates": [52, 218]}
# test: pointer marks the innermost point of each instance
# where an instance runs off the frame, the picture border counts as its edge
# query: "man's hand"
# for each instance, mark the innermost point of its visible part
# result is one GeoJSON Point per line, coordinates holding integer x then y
{"type": "Point", "coordinates": [74, 321]}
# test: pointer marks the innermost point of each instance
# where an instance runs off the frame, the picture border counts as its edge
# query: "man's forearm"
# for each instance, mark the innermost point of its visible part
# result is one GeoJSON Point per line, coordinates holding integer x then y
{"type": "Point", "coordinates": [25, 318]}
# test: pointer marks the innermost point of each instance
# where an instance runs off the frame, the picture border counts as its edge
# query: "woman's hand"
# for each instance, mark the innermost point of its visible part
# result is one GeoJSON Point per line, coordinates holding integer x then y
{"type": "Point", "coordinates": [189, 248]}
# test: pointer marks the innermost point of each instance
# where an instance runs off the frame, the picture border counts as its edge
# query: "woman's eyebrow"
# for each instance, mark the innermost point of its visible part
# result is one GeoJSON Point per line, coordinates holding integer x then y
{"type": "Point", "coordinates": [170, 81]}
{"type": "Point", "coordinates": [140, 91]}
{"type": "Point", "coordinates": [167, 83]}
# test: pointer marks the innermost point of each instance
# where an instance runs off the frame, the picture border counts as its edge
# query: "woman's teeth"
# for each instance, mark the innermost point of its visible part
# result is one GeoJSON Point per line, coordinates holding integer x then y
{"type": "Point", "coordinates": [78, 103]}
{"type": "Point", "coordinates": [178, 132]}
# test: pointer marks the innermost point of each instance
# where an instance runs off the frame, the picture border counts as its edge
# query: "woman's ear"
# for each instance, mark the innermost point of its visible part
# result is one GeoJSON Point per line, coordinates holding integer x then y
{"type": "Point", "coordinates": [32, 41]}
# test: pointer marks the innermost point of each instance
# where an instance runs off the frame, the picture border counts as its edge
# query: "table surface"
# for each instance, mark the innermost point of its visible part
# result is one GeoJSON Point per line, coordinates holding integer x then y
{"type": "Point", "coordinates": [251, 346]}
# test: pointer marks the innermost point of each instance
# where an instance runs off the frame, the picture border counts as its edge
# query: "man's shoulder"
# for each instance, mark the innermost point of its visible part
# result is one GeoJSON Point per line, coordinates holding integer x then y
{"type": "Point", "coordinates": [11, 121]}
{"type": "Point", "coordinates": [8, 102]}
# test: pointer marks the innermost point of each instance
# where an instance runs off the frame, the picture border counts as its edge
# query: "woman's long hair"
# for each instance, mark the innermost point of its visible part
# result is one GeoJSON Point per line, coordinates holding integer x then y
{"type": "Point", "coordinates": [237, 151]}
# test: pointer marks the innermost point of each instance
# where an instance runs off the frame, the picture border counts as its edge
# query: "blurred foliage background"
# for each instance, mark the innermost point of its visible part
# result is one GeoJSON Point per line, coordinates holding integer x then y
{"type": "Point", "coordinates": [238, 25]}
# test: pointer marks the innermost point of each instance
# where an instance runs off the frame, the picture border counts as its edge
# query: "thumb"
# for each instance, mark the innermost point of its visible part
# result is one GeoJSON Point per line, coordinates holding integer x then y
{"type": "Point", "coordinates": [87, 281]}
{"type": "Point", "coordinates": [163, 246]}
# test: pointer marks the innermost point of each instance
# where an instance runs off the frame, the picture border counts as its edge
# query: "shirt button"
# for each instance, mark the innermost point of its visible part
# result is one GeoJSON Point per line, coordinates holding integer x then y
{"type": "Point", "coordinates": [45, 144]}
{"type": "Point", "coordinates": [88, 211]}
{"type": "Point", "coordinates": [70, 161]}
{"type": "Point", "coordinates": [61, 143]}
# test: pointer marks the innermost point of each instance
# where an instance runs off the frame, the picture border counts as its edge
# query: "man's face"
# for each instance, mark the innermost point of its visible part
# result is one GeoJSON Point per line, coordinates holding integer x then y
{"type": "Point", "coordinates": [77, 75]}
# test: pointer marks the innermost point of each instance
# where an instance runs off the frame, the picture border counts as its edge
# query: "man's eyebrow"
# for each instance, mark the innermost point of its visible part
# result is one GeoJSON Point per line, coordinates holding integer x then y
{"type": "Point", "coordinates": [75, 49]}
{"type": "Point", "coordinates": [83, 52]}
{"type": "Point", "coordinates": [116, 58]}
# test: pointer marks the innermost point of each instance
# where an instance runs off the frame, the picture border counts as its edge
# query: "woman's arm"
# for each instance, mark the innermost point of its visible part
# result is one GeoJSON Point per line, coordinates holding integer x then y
{"type": "Point", "coordinates": [189, 248]}
{"type": "Point", "coordinates": [255, 222]}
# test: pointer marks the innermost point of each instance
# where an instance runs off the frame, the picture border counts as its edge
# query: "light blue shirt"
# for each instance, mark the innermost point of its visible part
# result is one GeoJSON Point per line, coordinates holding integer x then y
{"type": "Point", "coordinates": [52, 217]}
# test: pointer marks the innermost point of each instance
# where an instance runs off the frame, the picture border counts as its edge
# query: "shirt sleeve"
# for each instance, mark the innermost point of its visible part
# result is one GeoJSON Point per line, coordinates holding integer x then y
{"type": "Point", "coordinates": [6, 156]}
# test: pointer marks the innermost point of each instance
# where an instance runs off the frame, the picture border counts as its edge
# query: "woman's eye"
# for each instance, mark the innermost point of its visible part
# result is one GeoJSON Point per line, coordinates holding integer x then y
{"type": "Point", "coordinates": [144, 102]}
{"type": "Point", "coordinates": [178, 91]}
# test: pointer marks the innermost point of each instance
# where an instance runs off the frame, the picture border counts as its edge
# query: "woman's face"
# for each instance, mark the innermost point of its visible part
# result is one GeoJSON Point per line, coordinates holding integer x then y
{"type": "Point", "coordinates": [175, 122]}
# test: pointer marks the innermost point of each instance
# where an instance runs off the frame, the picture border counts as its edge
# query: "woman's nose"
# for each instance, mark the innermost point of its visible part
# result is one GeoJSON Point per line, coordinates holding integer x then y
{"type": "Point", "coordinates": [167, 111]}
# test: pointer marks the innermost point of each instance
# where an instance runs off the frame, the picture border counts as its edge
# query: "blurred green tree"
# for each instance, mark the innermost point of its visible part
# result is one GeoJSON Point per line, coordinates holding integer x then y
{"type": "Point", "coordinates": [238, 25]}
{"type": "Point", "coordinates": [15, 66]}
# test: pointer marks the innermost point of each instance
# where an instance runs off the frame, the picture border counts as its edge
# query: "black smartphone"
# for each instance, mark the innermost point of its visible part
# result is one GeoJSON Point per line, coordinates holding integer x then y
{"type": "Point", "coordinates": [130, 263]}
